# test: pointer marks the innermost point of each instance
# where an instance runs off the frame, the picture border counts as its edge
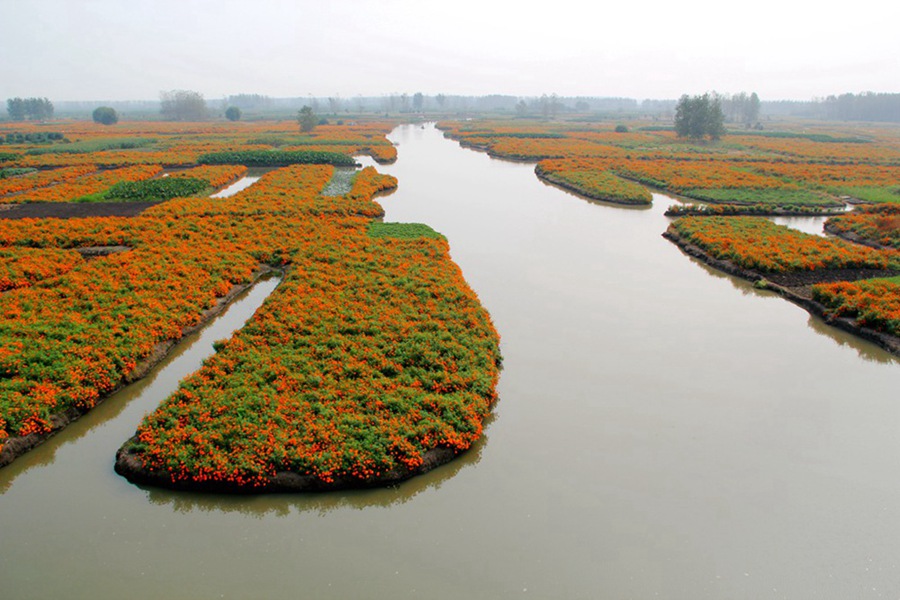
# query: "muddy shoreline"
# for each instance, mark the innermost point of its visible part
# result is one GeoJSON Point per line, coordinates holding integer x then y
{"type": "Point", "coordinates": [14, 447]}
{"type": "Point", "coordinates": [856, 239]}
{"type": "Point", "coordinates": [795, 288]}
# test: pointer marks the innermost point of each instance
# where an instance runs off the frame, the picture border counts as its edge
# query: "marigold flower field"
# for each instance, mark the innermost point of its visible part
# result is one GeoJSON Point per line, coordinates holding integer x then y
{"type": "Point", "coordinates": [371, 353]}
{"type": "Point", "coordinates": [372, 356]}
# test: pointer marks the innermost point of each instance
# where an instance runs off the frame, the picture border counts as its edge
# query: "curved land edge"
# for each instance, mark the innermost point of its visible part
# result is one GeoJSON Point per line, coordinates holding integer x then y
{"type": "Point", "coordinates": [128, 465]}
{"type": "Point", "coordinates": [571, 187]}
{"type": "Point", "coordinates": [15, 447]}
{"type": "Point", "coordinates": [855, 238]}
{"type": "Point", "coordinates": [795, 287]}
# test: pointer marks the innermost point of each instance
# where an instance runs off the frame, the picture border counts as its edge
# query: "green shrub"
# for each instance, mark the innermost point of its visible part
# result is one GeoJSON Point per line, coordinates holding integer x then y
{"type": "Point", "coordinates": [403, 231]}
{"type": "Point", "coordinates": [150, 190]}
{"type": "Point", "coordinates": [276, 158]}
{"type": "Point", "coordinates": [105, 115]}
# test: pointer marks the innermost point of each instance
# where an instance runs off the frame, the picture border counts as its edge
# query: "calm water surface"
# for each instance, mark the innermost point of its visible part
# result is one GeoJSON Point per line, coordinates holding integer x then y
{"type": "Point", "coordinates": [662, 431]}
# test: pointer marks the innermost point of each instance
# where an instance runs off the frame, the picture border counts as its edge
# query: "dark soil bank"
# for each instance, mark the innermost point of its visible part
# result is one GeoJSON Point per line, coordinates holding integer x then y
{"type": "Point", "coordinates": [128, 464]}
{"type": "Point", "coordinates": [73, 210]}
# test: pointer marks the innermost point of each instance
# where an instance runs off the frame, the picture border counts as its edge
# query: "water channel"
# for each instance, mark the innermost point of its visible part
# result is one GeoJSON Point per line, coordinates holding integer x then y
{"type": "Point", "coordinates": [663, 430]}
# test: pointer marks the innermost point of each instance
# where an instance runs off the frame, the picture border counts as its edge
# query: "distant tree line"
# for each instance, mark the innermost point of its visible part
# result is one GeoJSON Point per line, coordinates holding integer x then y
{"type": "Point", "coordinates": [741, 108]}
{"type": "Point", "coordinates": [867, 106]}
{"type": "Point", "coordinates": [34, 109]}
{"type": "Point", "coordinates": [248, 101]}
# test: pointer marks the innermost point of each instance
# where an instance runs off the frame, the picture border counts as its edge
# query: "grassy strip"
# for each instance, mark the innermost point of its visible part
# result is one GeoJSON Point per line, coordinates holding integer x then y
{"type": "Point", "coordinates": [402, 231]}
{"type": "Point", "coordinates": [879, 194]}
{"type": "Point", "coordinates": [150, 190]}
{"type": "Point", "coordinates": [775, 197]}
{"type": "Point", "coordinates": [95, 145]}
{"type": "Point", "coordinates": [275, 158]}
{"type": "Point", "coordinates": [15, 172]}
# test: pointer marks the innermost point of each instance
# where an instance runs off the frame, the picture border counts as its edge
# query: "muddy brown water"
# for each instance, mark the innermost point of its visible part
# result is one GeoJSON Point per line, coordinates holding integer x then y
{"type": "Point", "coordinates": [663, 430]}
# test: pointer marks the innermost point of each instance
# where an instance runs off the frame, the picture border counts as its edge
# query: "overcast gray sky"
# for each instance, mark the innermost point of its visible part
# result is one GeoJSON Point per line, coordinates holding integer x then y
{"type": "Point", "coordinates": [133, 49]}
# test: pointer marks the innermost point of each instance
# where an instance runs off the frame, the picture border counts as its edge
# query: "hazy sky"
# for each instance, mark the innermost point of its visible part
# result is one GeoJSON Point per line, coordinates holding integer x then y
{"type": "Point", "coordinates": [133, 49]}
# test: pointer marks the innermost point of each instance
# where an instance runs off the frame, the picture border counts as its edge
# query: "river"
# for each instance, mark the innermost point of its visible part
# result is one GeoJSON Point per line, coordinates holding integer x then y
{"type": "Point", "coordinates": [662, 430]}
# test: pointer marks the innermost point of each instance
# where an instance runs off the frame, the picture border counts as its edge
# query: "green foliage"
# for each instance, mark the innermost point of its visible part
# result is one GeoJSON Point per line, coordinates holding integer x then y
{"type": "Point", "coordinates": [233, 113]}
{"type": "Point", "coordinates": [14, 171]}
{"type": "Point", "coordinates": [307, 119]}
{"type": "Point", "coordinates": [525, 135]}
{"type": "Point", "coordinates": [813, 137]}
{"type": "Point", "coordinates": [772, 197]}
{"type": "Point", "coordinates": [698, 117]}
{"type": "Point", "coordinates": [151, 190]}
{"type": "Point", "coordinates": [95, 145]}
{"type": "Point", "coordinates": [8, 156]}
{"type": "Point", "coordinates": [37, 137]}
{"type": "Point", "coordinates": [276, 158]}
{"type": "Point", "coordinates": [105, 115]}
{"type": "Point", "coordinates": [889, 195]}
{"type": "Point", "coordinates": [403, 231]}
{"type": "Point", "coordinates": [621, 129]}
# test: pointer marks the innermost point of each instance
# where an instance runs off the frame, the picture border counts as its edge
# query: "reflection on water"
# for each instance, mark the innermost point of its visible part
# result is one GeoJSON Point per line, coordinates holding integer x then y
{"type": "Point", "coordinates": [865, 349]}
{"type": "Point", "coordinates": [241, 184]}
{"type": "Point", "coordinates": [811, 225]}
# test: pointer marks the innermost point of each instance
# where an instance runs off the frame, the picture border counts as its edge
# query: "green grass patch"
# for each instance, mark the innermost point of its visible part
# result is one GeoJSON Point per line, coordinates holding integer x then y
{"type": "Point", "coordinates": [98, 145]}
{"type": "Point", "coordinates": [8, 156]}
{"type": "Point", "coordinates": [813, 137]}
{"type": "Point", "coordinates": [276, 158]}
{"type": "Point", "coordinates": [775, 197]}
{"type": "Point", "coordinates": [402, 231]}
{"type": "Point", "coordinates": [151, 190]}
{"type": "Point", "coordinates": [889, 194]}
{"type": "Point", "coordinates": [15, 171]}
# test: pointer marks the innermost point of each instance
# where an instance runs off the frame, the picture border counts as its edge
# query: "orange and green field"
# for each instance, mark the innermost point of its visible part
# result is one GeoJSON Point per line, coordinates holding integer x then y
{"type": "Point", "coordinates": [371, 361]}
